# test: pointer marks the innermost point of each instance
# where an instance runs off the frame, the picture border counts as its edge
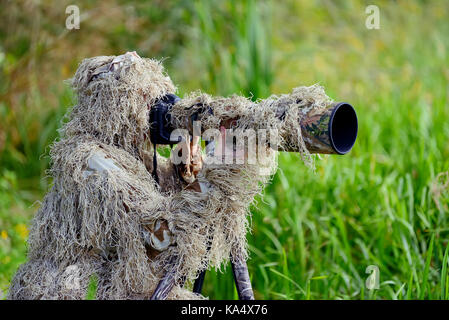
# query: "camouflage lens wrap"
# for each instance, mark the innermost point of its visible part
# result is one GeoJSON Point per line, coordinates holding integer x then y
{"type": "Point", "coordinates": [330, 131]}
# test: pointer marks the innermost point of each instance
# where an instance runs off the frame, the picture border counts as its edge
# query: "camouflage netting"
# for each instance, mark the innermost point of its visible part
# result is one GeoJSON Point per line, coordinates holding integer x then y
{"type": "Point", "coordinates": [279, 113]}
{"type": "Point", "coordinates": [106, 216]}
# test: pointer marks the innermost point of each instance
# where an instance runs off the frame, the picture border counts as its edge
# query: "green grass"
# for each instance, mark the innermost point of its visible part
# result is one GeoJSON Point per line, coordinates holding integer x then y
{"type": "Point", "coordinates": [314, 233]}
{"type": "Point", "coordinates": [92, 288]}
{"type": "Point", "coordinates": [14, 217]}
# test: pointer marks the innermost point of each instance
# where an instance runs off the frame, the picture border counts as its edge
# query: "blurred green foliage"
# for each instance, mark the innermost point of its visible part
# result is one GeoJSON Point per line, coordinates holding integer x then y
{"type": "Point", "coordinates": [14, 218]}
{"type": "Point", "coordinates": [314, 233]}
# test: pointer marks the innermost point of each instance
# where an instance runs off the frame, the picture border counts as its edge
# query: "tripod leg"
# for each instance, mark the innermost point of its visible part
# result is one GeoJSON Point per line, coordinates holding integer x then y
{"type": "Point", "coordinates": [198, 285]}
{"type": "Point", "coordinates": [242, 282]}
{"type": "Point", "coordinates": [165, 285]}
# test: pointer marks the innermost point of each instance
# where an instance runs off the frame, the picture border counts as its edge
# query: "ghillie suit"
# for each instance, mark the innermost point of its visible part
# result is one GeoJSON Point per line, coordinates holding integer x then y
{"type": "Point", "coordinates": [106, 216]}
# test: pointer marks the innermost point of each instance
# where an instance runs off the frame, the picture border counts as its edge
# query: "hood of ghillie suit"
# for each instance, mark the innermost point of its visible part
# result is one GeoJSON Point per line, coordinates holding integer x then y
{"type": "Point", "coordinates": [113, 98]}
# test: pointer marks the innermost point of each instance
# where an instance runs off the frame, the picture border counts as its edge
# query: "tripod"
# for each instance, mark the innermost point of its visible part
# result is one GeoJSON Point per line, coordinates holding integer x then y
{"type": "Point", "coordinates": [241, 279]}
